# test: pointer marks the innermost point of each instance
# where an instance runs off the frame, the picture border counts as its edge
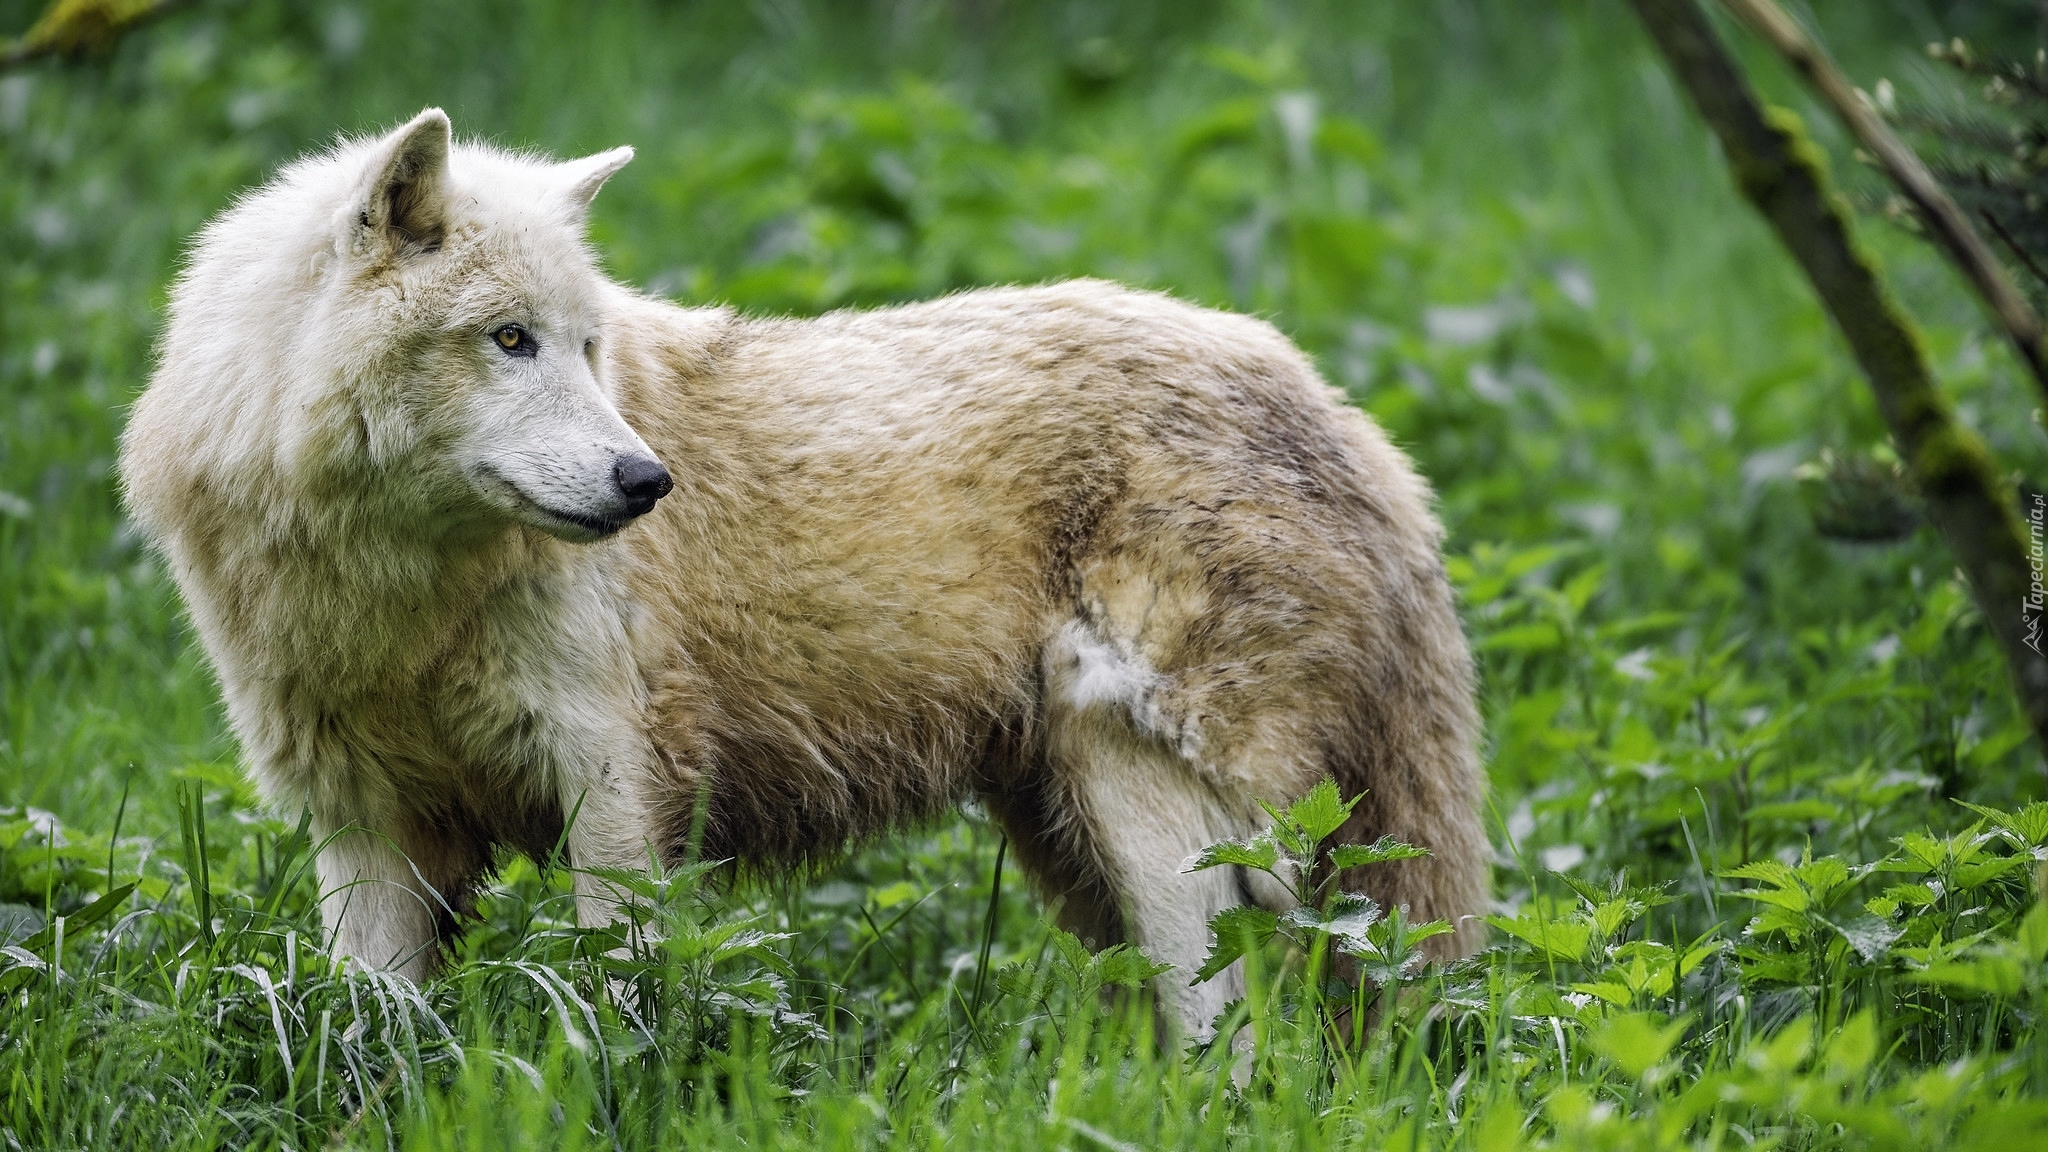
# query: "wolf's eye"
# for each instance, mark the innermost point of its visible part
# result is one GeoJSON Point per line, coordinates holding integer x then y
{"type": "Point", "coordinates": [515, 340]}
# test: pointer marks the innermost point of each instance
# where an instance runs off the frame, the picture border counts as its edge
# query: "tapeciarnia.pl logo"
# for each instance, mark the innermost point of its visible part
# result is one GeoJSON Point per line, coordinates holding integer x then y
{"type": "Point", "coordinates": [2037, 597]}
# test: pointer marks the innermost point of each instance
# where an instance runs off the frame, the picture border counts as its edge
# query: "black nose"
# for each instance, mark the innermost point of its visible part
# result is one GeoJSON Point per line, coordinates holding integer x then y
{"type": "Point", "coordinates": [641, 480]}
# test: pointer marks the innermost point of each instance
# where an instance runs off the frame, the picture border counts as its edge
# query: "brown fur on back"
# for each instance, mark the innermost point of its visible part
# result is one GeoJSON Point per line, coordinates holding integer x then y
{"type": "Point", "coordinates": [880, 518]}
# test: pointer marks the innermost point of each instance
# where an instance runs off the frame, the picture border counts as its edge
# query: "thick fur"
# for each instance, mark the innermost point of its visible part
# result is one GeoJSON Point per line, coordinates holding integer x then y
{"type": "Point", "coordinates": [1117, 565]}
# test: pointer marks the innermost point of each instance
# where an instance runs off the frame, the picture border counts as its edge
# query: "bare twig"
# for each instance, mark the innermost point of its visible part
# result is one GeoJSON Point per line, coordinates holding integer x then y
{"type": "Point", "coordinates": [1938, 211]}
{"type": "Point", "coordinates": [2012, 245]}
{"type": "Point", "coordinates": [1779, 170]}
{"type": "Point", "coordinates": [78, 28]}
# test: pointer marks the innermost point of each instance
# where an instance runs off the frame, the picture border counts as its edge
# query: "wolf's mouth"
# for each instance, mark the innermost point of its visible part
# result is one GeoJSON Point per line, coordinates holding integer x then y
{"type": "Point", "coordinates": [589, 524]}
{"type": "Point", "coordinates": [597, 526]}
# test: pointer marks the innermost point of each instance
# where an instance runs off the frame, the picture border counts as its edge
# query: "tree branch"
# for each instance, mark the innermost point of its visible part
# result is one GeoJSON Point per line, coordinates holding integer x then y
{"type": "Point", "coordinates": [77, 28]}
{"type": "Point", "coordinates": [1945, 221]}
{"type": "Point", "coordinates": [1780, 171]}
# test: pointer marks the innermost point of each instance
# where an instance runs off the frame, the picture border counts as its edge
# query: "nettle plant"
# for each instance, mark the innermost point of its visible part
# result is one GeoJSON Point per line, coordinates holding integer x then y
{"type": "Point", "coordinates": [1378, 944]}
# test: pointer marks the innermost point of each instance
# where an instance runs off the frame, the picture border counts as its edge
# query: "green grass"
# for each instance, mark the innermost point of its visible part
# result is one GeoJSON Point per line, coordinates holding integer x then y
{"type": "Point", "coordinates": [1737, 903]}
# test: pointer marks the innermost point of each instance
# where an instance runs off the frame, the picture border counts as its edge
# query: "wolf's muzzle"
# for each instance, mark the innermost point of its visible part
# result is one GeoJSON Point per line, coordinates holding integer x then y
{"type": "Point", "coordinates": [642, 481]}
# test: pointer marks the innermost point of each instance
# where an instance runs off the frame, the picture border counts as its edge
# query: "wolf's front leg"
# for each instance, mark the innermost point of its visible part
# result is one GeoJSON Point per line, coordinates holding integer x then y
{"type": "Point", "coordinates": [377, 909]}
{"type": "Point", "coordinates": [610, 806]}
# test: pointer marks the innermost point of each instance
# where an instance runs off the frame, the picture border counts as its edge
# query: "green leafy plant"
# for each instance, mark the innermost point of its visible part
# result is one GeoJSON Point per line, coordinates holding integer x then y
{"type": "Point", "coordinates": [1381, 944]}
{"type": "Point", "coordinates": [1067, 965]}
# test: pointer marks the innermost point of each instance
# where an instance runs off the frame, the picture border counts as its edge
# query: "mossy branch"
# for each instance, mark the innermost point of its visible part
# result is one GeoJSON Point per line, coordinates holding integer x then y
{"type": "Point", "coordinates": [75, 29]}
{"type": "Point", "coordinates": [1782, 173]}
{"type": "Point", "coordinates": [1944, 221]}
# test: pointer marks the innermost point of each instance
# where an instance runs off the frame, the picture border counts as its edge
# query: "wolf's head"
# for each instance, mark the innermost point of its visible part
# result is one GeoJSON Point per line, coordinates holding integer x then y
{"type": "Point", "coordinates": [407, 326]}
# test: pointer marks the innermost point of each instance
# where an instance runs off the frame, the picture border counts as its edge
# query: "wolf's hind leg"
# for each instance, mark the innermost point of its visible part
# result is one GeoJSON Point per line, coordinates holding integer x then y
{"type": "Point", "coordinates": [1143, 814]}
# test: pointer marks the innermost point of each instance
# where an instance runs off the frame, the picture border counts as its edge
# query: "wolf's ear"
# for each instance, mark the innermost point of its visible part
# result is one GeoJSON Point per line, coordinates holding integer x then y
{"type": "Point", "coordinates": [403, 199]}
{"type": "Point", "coordinates": [582, 178]}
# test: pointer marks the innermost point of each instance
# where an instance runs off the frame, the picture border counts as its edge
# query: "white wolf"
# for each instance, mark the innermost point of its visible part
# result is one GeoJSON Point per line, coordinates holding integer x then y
{"type": "Point", "coordinates": [476, 538]}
